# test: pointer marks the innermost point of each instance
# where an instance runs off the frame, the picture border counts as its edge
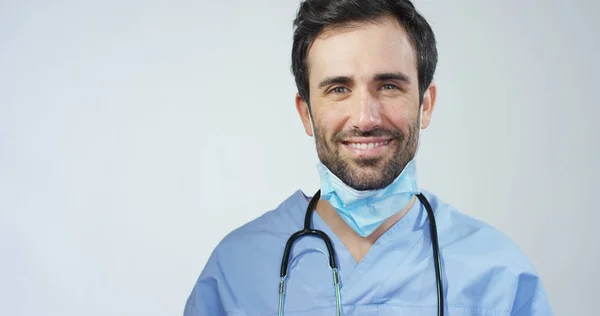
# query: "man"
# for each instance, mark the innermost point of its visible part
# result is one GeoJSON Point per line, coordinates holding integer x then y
{"type": "Point", "coordinates": [364, 71]}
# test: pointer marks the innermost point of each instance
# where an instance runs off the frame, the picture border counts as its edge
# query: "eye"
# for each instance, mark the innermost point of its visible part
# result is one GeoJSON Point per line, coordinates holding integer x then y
{"type": "Point", "coordinates": [338, 90]}
{"type": "Point", "coordinates": [388, 86]}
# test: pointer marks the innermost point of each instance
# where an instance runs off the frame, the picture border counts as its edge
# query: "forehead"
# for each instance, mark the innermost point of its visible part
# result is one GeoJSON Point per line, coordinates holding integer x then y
{"type": "Point", "coordinates": [362, 50]}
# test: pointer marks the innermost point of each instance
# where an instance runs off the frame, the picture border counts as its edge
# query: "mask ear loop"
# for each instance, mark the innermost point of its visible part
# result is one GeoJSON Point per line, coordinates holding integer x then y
{"type": "Point", "coordinates": [420, 119]}
{"type": "Point", "coordinates": [312, 124]}
{"type": "Point", "coordinates": [420, 115]}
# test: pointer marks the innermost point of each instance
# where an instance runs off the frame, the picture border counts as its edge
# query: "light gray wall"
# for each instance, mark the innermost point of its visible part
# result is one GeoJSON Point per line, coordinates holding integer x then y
{"type": "Point", "coordinates": [135, 134]}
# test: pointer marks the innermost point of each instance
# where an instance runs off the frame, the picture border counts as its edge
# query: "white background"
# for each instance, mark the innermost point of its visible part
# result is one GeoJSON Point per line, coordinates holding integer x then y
{"type": "Point", "coordinates": [135, 134]}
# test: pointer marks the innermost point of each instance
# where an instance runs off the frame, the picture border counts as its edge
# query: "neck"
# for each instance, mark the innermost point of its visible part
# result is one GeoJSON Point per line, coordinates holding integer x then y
{"type": "Point", "coordinates": [356, 244]}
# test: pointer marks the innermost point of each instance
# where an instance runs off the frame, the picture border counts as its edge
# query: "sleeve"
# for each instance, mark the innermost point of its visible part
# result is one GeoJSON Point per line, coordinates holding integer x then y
{"type": "Point", "coordinates": [537, 306]}
{"type": "Point", "coordinates": [531, 299]}
{"type": "Point", "coordinates": [204, 300]}
{"type": "Point", "coordinates": [211, 295]}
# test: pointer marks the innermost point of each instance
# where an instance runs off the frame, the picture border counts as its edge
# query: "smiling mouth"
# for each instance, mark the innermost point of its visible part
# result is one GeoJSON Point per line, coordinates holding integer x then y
{"type": "Point", "coordinates": [367, 145]}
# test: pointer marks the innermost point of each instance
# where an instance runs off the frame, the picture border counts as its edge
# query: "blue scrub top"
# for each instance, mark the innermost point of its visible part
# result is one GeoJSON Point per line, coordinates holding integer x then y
{"type": "Point", "coordinates": [484, 272]}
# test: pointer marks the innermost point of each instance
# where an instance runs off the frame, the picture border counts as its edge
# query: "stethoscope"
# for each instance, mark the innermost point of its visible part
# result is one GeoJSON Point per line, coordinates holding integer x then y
{"type": "Point", "coordinates": [308, 231]}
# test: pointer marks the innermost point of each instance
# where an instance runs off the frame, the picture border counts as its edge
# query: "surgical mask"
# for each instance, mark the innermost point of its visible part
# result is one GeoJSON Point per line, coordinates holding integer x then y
{"type": "Point", "coordinates": [364, 211]}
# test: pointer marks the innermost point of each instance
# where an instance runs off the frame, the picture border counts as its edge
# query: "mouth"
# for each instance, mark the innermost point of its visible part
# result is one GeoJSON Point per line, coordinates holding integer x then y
{"type": "Point", "coordinates": [367, 147]}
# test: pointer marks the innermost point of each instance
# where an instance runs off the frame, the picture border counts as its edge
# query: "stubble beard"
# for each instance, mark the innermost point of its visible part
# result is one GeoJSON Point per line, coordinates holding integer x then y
{"type": "Point", "coordinates": [368, 173]}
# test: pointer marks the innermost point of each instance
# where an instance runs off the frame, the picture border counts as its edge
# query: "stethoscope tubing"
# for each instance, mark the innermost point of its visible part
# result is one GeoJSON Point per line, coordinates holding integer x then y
{"type": "Point", "coordinates": [308, 231]}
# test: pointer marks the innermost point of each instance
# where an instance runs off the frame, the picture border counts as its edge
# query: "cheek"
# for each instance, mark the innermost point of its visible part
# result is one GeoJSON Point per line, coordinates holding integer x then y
{"type": "Point", "coordinates": [399, 111]}
{"type": "Point", "coordinates": [329, 122]}
{"type": "Point", "coordinates": [401, 119]}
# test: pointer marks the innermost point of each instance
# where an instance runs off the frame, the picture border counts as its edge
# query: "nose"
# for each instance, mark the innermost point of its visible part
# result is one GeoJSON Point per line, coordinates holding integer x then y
{"type": "Point", "coordinates": [367, 114]}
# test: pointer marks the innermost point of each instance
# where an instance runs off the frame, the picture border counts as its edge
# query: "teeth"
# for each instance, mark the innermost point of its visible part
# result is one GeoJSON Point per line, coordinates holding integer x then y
{"type": "Point", "coordinates": [367, 145]}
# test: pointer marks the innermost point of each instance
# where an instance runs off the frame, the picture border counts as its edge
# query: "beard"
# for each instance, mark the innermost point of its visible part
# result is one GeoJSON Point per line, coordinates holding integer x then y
{"type": "Point", "coordinates": [371, 173]}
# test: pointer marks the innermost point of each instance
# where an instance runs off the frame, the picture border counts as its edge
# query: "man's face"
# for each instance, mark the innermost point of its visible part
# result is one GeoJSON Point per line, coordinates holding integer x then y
{"type": "Point", "coordinates": [364, 99]}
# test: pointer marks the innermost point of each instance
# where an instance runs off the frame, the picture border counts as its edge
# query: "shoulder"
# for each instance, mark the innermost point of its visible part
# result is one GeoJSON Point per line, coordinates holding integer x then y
{"type": "Point", "coordinates": [479, 255]}
{"type": "Point", "coordinates": [464, 233]}
{"type": "Point", "coordinates": [274, 224]}
{"type": "Point", "coordinates": [260, 238]}
{"type": "Point", "coordinates": [247, 259]}
{"type": "Point", "coordinates": [260, 242]}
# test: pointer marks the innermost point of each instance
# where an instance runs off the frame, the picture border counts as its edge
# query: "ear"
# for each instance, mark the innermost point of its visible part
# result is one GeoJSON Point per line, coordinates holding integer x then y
{"type": "Point", "coordinates": [302, 108]}
{"type": "Point", "coordinates": [428, 104]}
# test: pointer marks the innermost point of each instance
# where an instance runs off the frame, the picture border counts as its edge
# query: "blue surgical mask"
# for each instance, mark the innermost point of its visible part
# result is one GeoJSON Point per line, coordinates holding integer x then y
{"type": "Point", "coordinates": [364, 211]}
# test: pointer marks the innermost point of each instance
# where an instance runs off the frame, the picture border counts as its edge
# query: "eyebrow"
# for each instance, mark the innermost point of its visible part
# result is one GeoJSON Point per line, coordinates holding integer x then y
{"type": "Point", "coordinates": [334, 80]}
{"type": "Point", "coordinates": [398, 76]}
{"type": "Point", "coordinates": [392, 76]}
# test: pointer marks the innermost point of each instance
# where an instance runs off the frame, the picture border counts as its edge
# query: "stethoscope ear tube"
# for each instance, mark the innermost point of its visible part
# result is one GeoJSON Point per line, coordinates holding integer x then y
{"type": "Point", "coordinates": [436, 252]}
{"type": "Point", "coordinates": [307, 230]}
